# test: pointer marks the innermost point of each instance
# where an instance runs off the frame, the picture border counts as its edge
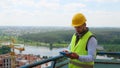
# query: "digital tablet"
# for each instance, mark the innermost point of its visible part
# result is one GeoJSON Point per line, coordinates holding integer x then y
{"type": "Point", "coordinates": [64, 53]}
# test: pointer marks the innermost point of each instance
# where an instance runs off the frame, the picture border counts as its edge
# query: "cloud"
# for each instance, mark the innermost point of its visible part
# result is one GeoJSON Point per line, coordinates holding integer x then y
{"type": "Point", "coordinates": [4, 4]}
{"type": "Point", "coordinates": [55, 12]}
{"type": "Point", "coordinates": [73, 7]}
{"type": "Point", "coordinates": [103, 19]}
{"type": "Point", "coordinates": [54, 5]}
{"type": "Point", "coordinates": [102, 0]}
{"type": "Point", "coordinates": [23, 2]}
{"type": "Point", "coordinates": [41, 7]}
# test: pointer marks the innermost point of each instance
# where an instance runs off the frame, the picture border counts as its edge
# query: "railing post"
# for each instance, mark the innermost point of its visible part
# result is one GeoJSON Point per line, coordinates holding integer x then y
{"type": "Point", "coordinates": [53, 64]}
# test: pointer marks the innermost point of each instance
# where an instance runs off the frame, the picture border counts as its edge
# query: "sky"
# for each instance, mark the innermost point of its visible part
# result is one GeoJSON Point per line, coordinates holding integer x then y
{"type": "Point", "coordinates": [99, 13]}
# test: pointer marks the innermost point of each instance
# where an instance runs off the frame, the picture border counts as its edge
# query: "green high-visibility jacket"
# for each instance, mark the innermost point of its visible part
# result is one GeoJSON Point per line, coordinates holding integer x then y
{"type": "Point", "coordinates": [80, 49]}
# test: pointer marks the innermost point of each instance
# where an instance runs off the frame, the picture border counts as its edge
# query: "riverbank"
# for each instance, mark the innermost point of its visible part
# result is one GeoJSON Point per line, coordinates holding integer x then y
{"type": "Point", "coordinates": [51, 45]}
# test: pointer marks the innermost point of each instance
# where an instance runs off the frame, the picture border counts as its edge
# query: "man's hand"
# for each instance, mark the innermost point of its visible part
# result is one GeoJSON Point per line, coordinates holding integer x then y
{"type": "Point", "coordinates": [73, 55]}
{"type": "Point", "coordinates": [65, 51]}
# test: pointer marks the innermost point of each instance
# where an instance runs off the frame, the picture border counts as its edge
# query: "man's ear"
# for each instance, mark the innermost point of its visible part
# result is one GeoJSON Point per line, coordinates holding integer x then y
{"type": "Point", "coordinates": [85, 24]}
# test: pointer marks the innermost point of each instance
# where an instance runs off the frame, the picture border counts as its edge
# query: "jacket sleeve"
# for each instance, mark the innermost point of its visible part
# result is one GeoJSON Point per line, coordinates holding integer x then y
{"type": "Point", "coordinates": [91, 46]}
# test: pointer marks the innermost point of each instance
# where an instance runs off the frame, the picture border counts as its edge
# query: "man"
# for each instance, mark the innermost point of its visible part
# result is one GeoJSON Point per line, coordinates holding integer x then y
{"type": "Point", "coordinates": [83, 44]}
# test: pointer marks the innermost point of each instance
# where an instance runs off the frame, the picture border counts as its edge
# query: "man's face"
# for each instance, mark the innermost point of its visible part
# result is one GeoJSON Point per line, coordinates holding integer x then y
{"type": "Point", "coordinates": [79, 29]}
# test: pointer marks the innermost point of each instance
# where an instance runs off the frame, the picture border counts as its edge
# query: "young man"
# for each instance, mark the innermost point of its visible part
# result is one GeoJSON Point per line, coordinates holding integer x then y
{"type": "Point", "coordinates": [83, 44]}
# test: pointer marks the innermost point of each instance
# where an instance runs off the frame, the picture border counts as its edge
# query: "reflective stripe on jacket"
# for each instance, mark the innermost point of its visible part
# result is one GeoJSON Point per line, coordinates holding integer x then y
{"type": "Point", "coordinates": [80, 49]}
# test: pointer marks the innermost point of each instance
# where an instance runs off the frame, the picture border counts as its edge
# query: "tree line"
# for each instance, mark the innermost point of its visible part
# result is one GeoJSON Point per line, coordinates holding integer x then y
{"type": "Point", "coordinates": [103, 35]}
{"type": "Point", "coordinates": [109, 38]}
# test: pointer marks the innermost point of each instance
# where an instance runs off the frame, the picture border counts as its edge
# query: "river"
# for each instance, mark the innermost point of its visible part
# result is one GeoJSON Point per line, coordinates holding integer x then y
{"type": "Point", "coordinates": [46, 51]}
{"type": "Point", "coordinates": [40, 50]}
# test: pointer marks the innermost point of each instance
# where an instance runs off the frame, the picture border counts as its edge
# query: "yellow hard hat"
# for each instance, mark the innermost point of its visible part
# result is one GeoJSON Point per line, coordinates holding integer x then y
{"type": "Point", "coordinates": [78, 19]}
